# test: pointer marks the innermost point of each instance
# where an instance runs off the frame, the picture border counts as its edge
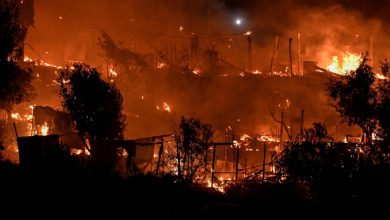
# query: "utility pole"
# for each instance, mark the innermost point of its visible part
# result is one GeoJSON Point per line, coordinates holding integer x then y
{"type": "Point", "coordinates": [281, 129]}
{"type": "Point", "coordinates": [290, 54]}
{"type": "Point", "coordinates": [237, 160]}
{"type": "Point", "coordinates": [249, 52]}
{"type": "Point", "coordinates": [299, 53]}
{"type": "Point", "coordinates": [159, 155]}
{"type": "Point", "coordinates": [274, 54]}
{"type": "Point", "coordinates": [213, 166]}
{"type": "Point", "coordinates": [264, 157]}
{"type": "Point", "coordinates": [302, 120]}
{"type": "Point", "coordinates": [372, 51]}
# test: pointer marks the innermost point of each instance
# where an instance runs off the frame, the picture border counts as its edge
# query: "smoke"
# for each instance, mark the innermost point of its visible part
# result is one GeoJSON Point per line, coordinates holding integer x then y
{"type": "Point", "coordinates": [69, 30]}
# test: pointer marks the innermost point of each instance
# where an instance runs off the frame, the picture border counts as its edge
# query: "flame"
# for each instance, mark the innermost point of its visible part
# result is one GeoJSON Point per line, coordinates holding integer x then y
{"type": "Point", "coordinates": [267, 138]}
{"type": "Point", "coordinates": [196, 71]}
{"type": "Point", "coordinates": [19, 117]}
{"type": "Point", "coordinates": [41, 63]}
{"type": "Point", "coordinates": [380, 76]}
{"type": "Point", "coordinates": [27, 59]}
{"type": "Point", "coordinates": [44, 129]}
{"type": "Point", "coordinates": [245, 137]}
{"type": "Point", "coordinates": [113, 73]}
{"type": "Point", "coordinates": [166, 107]}
{"type": "Point", "coordinates": [256, 72]}
{"type": "Point", "coordinates": [248, 33]}
{"type": "Point", "coordinates": [161, 65]}
{"type": "Point", "coordinates": [75, 151]}
{"type": "Point", "coordinates": [16, 116]}
{"type": "Point", "coordinates": [350, 62]}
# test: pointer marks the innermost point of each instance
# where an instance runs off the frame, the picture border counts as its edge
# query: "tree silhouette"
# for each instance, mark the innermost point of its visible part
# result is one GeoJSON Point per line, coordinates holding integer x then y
{"type": "Point", "coordinates": [316, 134]}
{"type": "Point", "coordinates": [383, 106]}
{"type": "Point", "coordinates": [355, 98]}
{"type": "Point", "coordinates": [15, 81]}
{"type": "Point", "coordinates": [193, 139]}
{"type": "Point", "coordinates": [363, 100]}
{"type": "Point", "coordinates": [95, 105]}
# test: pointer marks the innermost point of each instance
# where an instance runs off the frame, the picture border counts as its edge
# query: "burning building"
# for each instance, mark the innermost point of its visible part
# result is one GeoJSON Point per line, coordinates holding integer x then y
{"type": "Point", "coordinates": [167, 66]}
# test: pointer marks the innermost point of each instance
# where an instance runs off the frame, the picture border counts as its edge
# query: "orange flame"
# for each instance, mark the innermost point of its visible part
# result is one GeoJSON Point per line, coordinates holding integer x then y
{"type": "Point", "coordinates": [44, 129]}
{"type": "Point", "coordinates": [350, 62]}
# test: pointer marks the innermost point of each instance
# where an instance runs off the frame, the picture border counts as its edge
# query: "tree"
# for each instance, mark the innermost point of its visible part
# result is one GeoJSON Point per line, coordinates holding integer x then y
{"type": "Point", "coordinates": [15, 85]}
{"type": "Point", "coordinates": [355, 98]}
{"type": "Point", "coordinates": [95, 105]}
{"type": "Point", "coordinates": [15, 81]}
{"type": "Point", "coordinates": [383, 106]}
{"type": "Point", "coordinates": [12, 33]}
{"type": "Point", "coordinates": [364, 100]}
{"type": "Point", "coordinates": [316, 134]}
{"type": "Point", "coordinates": [193, 139]}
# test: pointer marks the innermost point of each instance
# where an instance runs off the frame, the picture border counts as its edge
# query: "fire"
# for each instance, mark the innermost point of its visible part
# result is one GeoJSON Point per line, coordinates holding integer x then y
{"type": "Point", "coordinates": [41, 63]}
{"type": "Point", "coordinates": [161, 65]}
{"type": "Point", "coordinates": [380, 76]}
{"type": "Point", "coordinates": [27, 59]}
{"type": "Point", "coordinates": [166, 107]}
{"type": "Point", "coordinates": [248, 33]}
{"type": "Point", "coordinates": [245, 137]}
{"type": "Point", "coordinates": [113, 73]}
{"type": "Point", "coordinates": [256, 72]}
{"type": "Point", "coordinates": [196, 71]}
{"type": "Point", "coordinates": [75, 151]}
{"type": "Point", "coordinates": [16, 116]}
{"type": "Point", "coordinates": [44, 129]}
{"type": "Point", "coordinates": [350, 62]}
{"type": "Point", "coordinates": [267, 138]}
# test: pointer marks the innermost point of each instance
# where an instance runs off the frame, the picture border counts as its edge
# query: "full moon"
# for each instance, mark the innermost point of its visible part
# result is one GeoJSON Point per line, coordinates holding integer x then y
{"type": "Point", "coordinates": [238, 21]}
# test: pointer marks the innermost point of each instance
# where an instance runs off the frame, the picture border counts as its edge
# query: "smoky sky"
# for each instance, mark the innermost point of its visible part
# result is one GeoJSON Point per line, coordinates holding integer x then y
{"type": "Point", "coordinates": [325, 26]}
{"type": "Point", "coordinates": [371, 9]}
{"type": "Point", "coordinates": [68, 30]}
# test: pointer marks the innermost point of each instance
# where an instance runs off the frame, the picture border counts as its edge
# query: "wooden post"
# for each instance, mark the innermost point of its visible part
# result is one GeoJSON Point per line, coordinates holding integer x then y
{"type": "Point", "coordinates": [281, 130]}
{"type": "Point", "coordinates": [264, 157]}
{"type": "Point", "coordinates": [212, 167]}
{"type": "Point", "coordinates": [302, 120]}
{"type": "Point", "coordinates": [290, 54]}
{"type": "Point", "coordinates": [299, 53]}
{"type": "Point", "coordinates": [160, 151]}
{"type": "Point", "coordinates": [245, 166]}
{"type": "Point", "coordinates": [274, 54]}
{"type": "Point", "coordinates": [16, 131]}
{"type": "Point", "coordinates": [249, 53]}
{"type": "Point", "coordinates": [237, 160]}
{"type": "Point", "coordinates": [371, 51]}
{"type": "Point", "coordinates": [178, 160]}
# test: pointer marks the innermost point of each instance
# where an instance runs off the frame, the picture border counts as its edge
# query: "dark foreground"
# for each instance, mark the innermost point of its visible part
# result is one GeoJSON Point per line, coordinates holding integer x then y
{"type": "Point", "coordinates": [77, 191]}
